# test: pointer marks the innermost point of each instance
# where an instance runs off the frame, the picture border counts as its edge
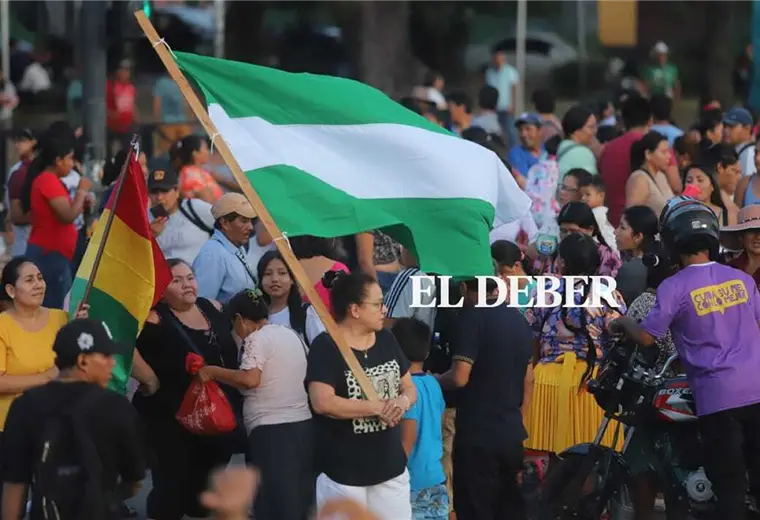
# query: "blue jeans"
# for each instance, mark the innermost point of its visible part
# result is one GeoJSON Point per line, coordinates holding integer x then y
{"type": "Point", "coordinates": [507, 122]}
{"type": "Point", "coordinates": [56, 269]}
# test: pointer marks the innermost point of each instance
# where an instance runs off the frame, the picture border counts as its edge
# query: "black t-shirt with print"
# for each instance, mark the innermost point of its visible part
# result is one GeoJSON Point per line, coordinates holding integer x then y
{"type": "Point", "coordinates": [498, 342]}
{"type": "Point", "coordinates": [358, 452]}
{"type": "Point", "coordinates": [112, 424]}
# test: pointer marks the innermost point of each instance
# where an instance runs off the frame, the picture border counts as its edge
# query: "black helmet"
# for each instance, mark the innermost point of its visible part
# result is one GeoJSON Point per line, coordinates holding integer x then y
{"type": "Point", "coordinates": [684, 218]}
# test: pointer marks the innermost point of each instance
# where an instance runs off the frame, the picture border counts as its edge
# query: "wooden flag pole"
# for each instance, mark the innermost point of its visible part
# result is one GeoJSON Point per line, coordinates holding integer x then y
{"type": "Point", "coordinates": [109, 221]}
{"type": "Point", "coordinates": [266, 218]}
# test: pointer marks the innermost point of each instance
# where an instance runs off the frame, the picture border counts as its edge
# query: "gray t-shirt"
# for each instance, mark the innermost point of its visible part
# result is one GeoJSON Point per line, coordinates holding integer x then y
{"type": "Point", "coordinates": [181, 238]}
{"type": "Point", "coordinates": [488, 121]}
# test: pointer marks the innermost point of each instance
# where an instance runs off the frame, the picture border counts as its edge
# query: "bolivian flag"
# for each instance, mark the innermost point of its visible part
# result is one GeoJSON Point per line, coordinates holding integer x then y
{"type": "Point", "coordinates": [132, 273]}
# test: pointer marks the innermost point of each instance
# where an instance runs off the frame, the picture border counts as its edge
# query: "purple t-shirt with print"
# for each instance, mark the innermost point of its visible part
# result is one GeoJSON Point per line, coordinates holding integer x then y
{"type": "Point", "coordinates": [713, 312]}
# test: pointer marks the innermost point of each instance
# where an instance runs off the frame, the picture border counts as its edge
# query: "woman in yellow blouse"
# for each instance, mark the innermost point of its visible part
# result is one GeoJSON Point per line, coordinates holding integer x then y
{"type": "Point", "coordinates": [27, 332]}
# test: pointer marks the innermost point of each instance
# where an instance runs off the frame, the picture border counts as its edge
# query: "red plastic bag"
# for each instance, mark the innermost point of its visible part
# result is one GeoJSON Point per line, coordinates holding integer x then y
{"type": "Point", "coordinates": [205, 409]}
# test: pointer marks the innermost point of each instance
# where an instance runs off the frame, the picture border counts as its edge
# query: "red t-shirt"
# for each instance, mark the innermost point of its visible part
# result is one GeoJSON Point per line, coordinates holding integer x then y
{"type": "Point", "coordinates": [614, 168]}
{"type": "Point", "coordinates": [16, 182]}
{"type": "Point", "coordinates": [48, 232]}
{"type": "Point", "coordinates": [120, 99]}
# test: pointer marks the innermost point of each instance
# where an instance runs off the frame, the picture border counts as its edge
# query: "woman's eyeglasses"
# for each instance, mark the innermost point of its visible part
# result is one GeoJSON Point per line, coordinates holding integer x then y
{"type": "Point", "coordinates": [376, 305]}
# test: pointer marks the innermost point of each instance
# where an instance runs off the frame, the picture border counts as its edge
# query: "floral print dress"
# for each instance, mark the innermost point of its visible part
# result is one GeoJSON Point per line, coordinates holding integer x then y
{"type": "Point", "coordinates": [554, 334]}
{"type": "Point", "coordinates": [542, 181]}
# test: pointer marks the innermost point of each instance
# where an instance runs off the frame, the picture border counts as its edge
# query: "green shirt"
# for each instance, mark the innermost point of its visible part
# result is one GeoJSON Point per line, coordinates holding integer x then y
{"type": "Point", "coordinates": [661, 79]}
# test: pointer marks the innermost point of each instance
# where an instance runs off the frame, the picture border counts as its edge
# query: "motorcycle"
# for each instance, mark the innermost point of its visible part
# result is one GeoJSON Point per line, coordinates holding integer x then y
{"type": "Point", "coordinates": [591, 481]}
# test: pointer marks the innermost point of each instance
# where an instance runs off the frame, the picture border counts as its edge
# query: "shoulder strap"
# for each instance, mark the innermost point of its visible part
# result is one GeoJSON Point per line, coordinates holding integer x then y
{"type": "Point", "coordinates": [651, 177]}
{"type": "Point", "coordinates": [561, 154]}
{"type": "Point", "coordinates": [190, 214]}
{"type": "Point", "coordinates": [741, 150]}
{"type": "Point", "coordinates": [168, 317]}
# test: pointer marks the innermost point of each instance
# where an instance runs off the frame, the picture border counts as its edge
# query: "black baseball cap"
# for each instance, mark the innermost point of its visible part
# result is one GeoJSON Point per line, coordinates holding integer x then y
{"type": "Point", "coordinates": [23, 134]}
{"type": "Point", "coordinates": [84, 336]}
{"type": "Point", "coordinates": [162, 180]}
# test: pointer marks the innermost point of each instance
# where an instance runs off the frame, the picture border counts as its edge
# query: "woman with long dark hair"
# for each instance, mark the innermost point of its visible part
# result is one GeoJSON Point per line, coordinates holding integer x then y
{"type": "Point", "coordinates": [642, 462]}
{"type": "Point", "coordinates": [569, 343]}
{"type": "Point", "coordinates": [358, 442]}
{"type": "Point", "coordinates": [577, 217]}
{"type": "Point", "coordinates": [53, 237]}
{"type": "Point", "coordinates": [635, 236]}
{"type": "Point", "coordinates": [703, 177]}
{"type": "Point", "coordinates": [648, 185]}
{"type": "Point", "coordinates": [286, 306]}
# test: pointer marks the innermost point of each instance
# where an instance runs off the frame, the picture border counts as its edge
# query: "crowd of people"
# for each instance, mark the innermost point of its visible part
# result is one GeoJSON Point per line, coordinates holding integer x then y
{"type": "Point", "coordinates": [463, 394]}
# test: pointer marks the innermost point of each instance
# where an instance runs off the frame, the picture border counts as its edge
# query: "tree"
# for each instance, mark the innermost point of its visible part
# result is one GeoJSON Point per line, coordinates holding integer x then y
{"type": "Point", "coordinates": [244, 39]}
{"type": "Point", "coordinates": [719, 59]}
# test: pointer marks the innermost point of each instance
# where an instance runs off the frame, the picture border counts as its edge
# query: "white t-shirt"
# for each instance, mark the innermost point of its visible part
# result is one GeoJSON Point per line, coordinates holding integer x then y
{"type": "Point", "coordinates": [314, 326]}
{"type": "Point", "coordinates": [746, 153]}
{"type": "Point", "coordinates": [35, 79]}
{"type": "Point", "coordinates": [181, 238]}
{"type": "Point", "coordinates": [71, 181]}
{"type": "Point", "coordinates": [281, 397]}
{"type": "Point", "coordinates": [399, 298]}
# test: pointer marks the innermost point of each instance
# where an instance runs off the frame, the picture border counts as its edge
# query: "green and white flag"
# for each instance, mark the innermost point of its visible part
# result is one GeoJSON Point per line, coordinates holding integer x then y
{"type": "Point", "coordinates": [331, 157]}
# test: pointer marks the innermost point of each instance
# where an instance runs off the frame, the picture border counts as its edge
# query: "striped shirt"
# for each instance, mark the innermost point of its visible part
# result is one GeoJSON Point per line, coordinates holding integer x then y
{"type": "Point", "coordinates": [400, 297]}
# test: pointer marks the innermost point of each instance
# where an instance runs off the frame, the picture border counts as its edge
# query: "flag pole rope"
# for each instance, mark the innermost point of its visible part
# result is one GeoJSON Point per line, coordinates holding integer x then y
{"type": "Point", "coordinates": [280, 240]}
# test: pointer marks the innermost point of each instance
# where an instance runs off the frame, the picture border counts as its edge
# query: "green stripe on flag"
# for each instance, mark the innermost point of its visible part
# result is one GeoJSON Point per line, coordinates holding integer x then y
{"type": "Point", "coordinates": [123, 326]}
{"type": "Point", "coordinates": [316, 208]}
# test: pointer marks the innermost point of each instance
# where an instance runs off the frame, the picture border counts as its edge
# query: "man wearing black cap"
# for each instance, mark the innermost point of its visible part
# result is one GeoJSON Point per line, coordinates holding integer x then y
{"type": "Point", "coordinates": [73, 441]}
{"type": "Point", "coordinates": [181, 226]}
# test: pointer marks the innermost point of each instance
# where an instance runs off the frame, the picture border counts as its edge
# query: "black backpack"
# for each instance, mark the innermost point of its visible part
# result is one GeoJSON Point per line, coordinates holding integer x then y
{"type": "Point", "coordinates": [67, 481]}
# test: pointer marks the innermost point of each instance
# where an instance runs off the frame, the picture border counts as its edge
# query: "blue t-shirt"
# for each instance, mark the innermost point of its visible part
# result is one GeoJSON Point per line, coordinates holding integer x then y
{"type": "Point", "coordinates": [425, 468]}
{"type": "Point", "coordinates": [522, 160]}
{"type": "Point", "coordinates": [172, 102]}
{"type": "Point", "coordinates": [670, 132]}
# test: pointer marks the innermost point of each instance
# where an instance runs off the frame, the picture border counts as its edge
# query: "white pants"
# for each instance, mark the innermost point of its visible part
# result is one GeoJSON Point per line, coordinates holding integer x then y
{"type": "Point", "coordinates": [389, 500]}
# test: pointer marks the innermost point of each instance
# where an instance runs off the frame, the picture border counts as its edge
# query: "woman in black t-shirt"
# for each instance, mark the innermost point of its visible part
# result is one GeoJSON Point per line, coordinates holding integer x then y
{"type": "Point", "coordinates": [358, 442]}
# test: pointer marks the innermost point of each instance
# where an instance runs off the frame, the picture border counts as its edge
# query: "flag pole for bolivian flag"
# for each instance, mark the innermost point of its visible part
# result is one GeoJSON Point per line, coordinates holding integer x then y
{"type": "Point", "coordinates": [165, 54]}
{"type": "Point", "coordinates": [109, 221]}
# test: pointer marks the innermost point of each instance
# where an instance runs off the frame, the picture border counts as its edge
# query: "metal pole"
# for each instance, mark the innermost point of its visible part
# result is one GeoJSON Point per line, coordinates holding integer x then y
{"type": "Point", "coordinates": [221, 12]}
{"type": "Point", "coordinates": [581, 27]}
{"type": "Point", "coordinates": [754, 85]}
{"type": "Point", "coordinates": [522, 24]}
{"type": "Point", "coordinates": [94, 71]}
{"type": "Point", "coordinates": [5, 29]}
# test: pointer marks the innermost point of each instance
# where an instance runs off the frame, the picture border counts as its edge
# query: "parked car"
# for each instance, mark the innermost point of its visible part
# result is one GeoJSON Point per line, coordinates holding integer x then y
{"type": "Point", "coordinates": [544, 52]}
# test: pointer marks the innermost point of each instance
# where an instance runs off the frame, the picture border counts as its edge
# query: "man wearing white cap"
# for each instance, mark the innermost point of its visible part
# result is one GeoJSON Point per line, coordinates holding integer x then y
{"type": "Point", "coordinates": [661, 77]}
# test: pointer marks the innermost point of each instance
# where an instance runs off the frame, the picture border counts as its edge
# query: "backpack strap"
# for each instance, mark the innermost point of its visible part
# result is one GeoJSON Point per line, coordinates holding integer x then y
{"type": "Point", "coordinates": [745, 147]}
{"type": "Point", "coordinates": [564, 152]}
{"type": "Point", "coordinates": [190, 214]}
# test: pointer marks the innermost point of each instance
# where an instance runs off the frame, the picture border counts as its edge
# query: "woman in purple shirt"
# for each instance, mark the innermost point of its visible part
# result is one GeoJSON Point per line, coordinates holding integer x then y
{"type": "Point", "coordinates": [713, 312]}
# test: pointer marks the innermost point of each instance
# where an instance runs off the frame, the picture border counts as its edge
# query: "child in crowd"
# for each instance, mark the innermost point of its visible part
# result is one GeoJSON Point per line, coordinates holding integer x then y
{"type": "Point", "coordinates": [593, 193]}
{"type": "Point", "coordinates": [421, 433]}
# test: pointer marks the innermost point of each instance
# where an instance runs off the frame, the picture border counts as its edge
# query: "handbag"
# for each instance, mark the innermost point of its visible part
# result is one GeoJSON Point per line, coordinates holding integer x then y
{"type": "Point", "coordinates": [205, 409]}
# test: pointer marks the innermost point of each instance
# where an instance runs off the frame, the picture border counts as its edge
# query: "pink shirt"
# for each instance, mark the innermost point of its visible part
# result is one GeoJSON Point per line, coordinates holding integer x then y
{"type": "Point", "coordinates": [323, 291]}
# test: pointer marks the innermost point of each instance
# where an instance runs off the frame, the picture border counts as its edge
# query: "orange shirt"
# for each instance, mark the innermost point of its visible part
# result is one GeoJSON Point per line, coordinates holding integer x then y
{"type": "Point", "coordinates": [194, 179]}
